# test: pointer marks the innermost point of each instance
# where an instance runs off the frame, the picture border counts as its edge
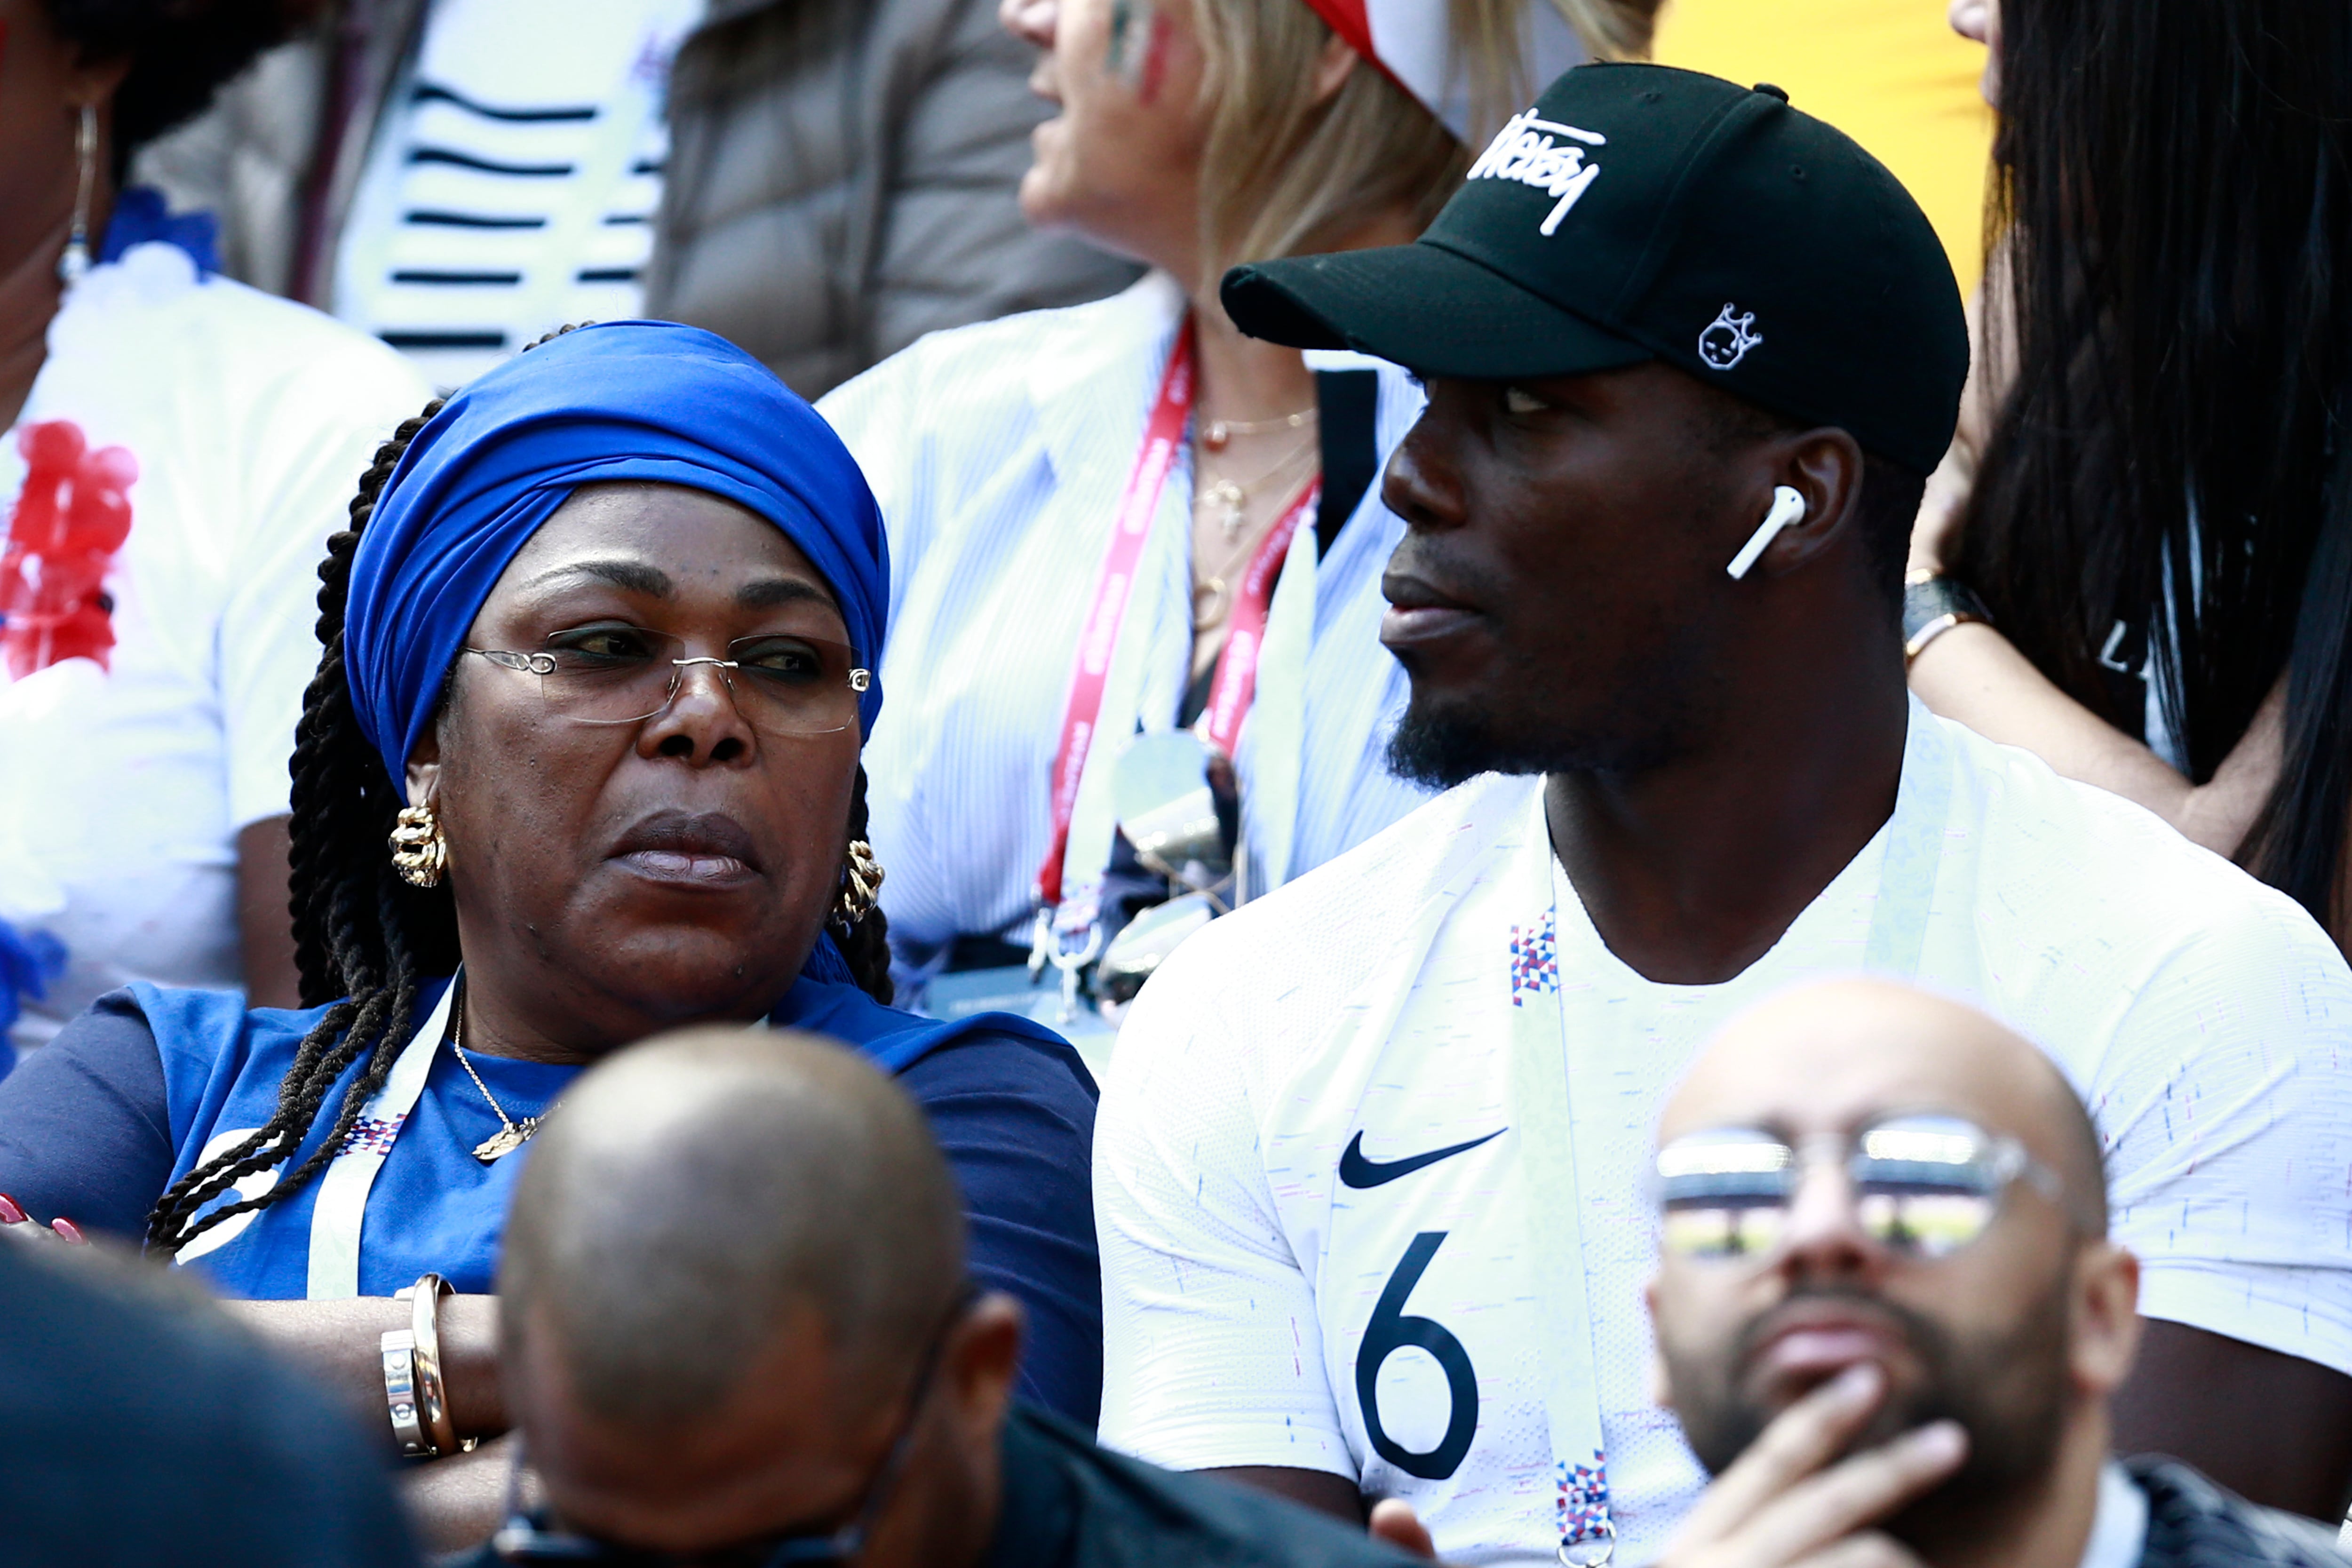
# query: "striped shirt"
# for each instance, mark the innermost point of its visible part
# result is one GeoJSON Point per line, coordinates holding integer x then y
{"type": "Point", "coordinates": [511, 188]}
{"type": "Point", "coordinates": [998, 453]}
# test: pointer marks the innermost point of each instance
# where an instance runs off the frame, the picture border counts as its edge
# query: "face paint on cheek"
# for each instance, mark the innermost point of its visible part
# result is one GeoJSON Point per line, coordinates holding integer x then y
{"type": "Point", "coordinates": [1138, 50]}
{"type": "Point", "coordinates": [1130, 20]}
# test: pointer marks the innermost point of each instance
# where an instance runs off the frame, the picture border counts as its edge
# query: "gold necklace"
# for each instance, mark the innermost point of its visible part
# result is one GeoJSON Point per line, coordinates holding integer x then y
{"type": "Point", "coordinates": [1231, 497]}
{"type": "Point", "coordinates": [1220, 431]}
{"type": "Point", "coordinates": [1211, 592]}
{"type": "Point", "coordinates": [511, 1134]}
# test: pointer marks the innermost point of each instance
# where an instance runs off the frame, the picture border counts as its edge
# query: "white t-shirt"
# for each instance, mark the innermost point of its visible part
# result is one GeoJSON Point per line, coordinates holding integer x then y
{"type": "Point", "coordinates": [512, 185]}
{"type": "Point", "coordinates": [2119, 1522]}
{"type": "Point", "coordinates": [2205, 1019]}
{"type": "Point", "coordinates": [122, 789]}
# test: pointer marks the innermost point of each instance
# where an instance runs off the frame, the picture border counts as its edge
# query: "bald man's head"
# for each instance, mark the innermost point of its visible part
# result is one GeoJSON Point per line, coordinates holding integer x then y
{"type": "Point", "coordinates": [697, 1192]}
{"type": "Point", "coordinates": [2017, 1329]}
{"type": "Point", "coordinates": [1887, 1045]}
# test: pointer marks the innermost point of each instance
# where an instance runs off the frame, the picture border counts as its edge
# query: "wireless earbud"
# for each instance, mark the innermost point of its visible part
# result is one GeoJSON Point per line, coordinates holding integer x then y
{"type": "Point", "coordinates": [1788, 511]}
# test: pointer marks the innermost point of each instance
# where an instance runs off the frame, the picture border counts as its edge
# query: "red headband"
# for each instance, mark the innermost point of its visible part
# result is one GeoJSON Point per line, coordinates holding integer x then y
{"type": "Point", "coordinates": [1408, 40]}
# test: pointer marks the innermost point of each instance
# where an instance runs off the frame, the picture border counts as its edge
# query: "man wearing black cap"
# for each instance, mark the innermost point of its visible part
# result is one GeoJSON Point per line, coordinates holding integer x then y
{"type": "Point", "coordinates": [1370, 1164]}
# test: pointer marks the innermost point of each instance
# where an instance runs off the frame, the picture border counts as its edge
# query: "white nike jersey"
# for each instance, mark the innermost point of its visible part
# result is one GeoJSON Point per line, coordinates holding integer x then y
{"type": "Point", "coordinates": [1311, 1209]}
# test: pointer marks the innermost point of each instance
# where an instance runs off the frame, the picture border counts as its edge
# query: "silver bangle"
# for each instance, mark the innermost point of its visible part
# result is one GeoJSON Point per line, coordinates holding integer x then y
{"type": "Point", "coordinates": [424, 1337]}
{"type": "Point", "coordinates": [398, 1348]}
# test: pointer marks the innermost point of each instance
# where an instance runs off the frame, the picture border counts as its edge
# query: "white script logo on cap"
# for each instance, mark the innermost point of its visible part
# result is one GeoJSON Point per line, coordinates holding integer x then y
{"type": "Point", "coordinates": [1726, 340]}
{"type": "Point", "coordinates": [1525, 150]}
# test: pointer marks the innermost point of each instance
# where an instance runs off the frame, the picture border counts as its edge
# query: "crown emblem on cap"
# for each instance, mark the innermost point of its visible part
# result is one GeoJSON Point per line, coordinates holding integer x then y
{"type": "Point", "coordinates": [1728, 338]}
{"type": "Point", "coordinates": [1529, 150]}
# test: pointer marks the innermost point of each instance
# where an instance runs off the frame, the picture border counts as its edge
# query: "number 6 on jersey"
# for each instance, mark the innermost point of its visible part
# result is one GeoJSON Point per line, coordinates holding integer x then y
{"type": "Point", "coordinates": [1390, 1330]}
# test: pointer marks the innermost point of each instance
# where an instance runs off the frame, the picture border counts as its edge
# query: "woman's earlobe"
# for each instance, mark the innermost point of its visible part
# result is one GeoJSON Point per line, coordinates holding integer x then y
{"type": "Point", "coordinates": [419, 845]}
{"type": "Point", "coordinates": [96, 84]}
{"type": "Point", "coordinates": [423, 778]}
{"type": "Point", "coordinates": [1333, 68]}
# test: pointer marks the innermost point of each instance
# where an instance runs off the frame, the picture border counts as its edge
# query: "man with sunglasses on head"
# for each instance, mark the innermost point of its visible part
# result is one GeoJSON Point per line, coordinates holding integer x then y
{"type": "Point", "coordinates": [738, 1329]}
{"type": "Point", "coordinates": [1370, 1164]}
{"type": "Point", "coordinates": [1890, 1314]}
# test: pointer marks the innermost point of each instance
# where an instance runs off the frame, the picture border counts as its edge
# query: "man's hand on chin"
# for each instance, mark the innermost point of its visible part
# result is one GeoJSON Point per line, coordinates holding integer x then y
{"type": "Point", "coordinates": [1790, 1503]}
{"type": "Point", "coordinates": [1785, 1504]}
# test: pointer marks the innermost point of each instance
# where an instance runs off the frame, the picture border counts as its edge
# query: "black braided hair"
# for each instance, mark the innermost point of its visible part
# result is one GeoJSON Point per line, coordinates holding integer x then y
{"type": "Point", "coordinates": [365, 941]}
{"type": "Point", "coordinates": [364, 937]}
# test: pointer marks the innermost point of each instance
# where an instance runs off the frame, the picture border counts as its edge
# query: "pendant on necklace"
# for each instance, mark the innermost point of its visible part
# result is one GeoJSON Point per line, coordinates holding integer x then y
{"type": "Point", "coordinates": [1210, 601]}
{"type": "Point", "coordinates": [506, 1141]}
{"type": "Point", "coordinates": [1229, 499]}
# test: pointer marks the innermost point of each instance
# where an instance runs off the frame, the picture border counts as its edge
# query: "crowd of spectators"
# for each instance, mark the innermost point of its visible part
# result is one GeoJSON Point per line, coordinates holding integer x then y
{"type": "Point", "coordinates": [1171, 781]}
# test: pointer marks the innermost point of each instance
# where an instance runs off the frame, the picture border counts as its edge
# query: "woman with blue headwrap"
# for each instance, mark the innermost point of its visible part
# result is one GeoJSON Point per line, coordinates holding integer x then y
{"type": "Point", "coordinates": [581, 763]}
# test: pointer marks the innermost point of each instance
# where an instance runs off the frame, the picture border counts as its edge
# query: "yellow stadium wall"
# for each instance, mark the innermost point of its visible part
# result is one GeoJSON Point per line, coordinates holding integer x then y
{"type": "Point", "coordinates": [1888, 73]}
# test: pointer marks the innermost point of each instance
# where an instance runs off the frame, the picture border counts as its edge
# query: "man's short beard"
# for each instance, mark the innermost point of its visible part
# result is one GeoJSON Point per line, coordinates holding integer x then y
{"type": "Point", "coordinates": [2007, 1392]}
{"type": "Point", "coordinates": [1443, 742]}
{"type": "Point", "coordinates": [1442, 749]}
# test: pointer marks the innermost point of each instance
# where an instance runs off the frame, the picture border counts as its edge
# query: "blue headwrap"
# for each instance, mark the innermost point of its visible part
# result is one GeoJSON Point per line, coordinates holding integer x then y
{"type": "Point", "coordinates": [625, 400]}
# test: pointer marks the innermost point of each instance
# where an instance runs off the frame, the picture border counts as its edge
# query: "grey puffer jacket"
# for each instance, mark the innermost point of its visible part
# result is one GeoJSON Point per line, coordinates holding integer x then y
{"type": "Point", "coordinates": [841, 181]}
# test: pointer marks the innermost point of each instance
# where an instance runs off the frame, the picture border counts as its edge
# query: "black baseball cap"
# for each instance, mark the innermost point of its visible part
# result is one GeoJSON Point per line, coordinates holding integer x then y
{"type": "Point", "coordinates": [1638, 212]}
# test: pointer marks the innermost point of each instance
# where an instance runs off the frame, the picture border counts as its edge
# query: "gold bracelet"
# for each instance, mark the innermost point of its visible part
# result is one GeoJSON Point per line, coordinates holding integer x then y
{"type": "Point", "coordinates": [1932, 603]}
{"type": "Point", "coordinates": [432, 1393]}
{"type": "Point", "coordinates": [1936, 628]}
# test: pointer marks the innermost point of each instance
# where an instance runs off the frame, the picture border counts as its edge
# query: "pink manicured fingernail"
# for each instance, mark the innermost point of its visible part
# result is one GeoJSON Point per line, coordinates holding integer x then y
{"type": "Point", "coordinates": [12, 1212]}
{"type": "Point", "coordinates": [69, 1230]}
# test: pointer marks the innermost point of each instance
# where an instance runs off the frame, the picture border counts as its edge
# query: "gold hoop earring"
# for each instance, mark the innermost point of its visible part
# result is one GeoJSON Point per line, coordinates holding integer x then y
{"type": "Point", "coordinates": [75, 260]}
{"type": "Point", "coordinates": [861, 882]}
{"type": "Point", "coordinates": [420, 851]}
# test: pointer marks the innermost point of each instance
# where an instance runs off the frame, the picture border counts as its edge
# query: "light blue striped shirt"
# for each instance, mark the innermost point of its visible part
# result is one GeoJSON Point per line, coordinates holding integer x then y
{"type": "Point", "coordinates": [998, 453]}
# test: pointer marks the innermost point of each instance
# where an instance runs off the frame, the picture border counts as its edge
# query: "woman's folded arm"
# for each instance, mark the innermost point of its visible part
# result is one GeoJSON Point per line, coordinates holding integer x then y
{"type": "Point", "coordinates": [85, 1130]}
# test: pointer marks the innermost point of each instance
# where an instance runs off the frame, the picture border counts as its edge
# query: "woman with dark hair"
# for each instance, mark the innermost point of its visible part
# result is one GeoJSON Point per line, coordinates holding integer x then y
{"type": "Point", "coordinates": [2137, 560]}
{"type": "Point", "coordinates": [176, 449]}
{"type": "Point", "coordinates": [581, 763]}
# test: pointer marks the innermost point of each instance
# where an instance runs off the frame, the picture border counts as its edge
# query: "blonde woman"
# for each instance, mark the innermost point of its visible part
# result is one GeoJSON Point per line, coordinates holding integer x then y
{"type": "Point", "coordinates": [1126, 518]}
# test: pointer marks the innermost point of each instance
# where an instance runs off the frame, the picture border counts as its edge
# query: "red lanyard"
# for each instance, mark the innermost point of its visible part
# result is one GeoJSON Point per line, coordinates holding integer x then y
{"type": "Point", "coordinates": [1235, 685]}
{"type": "Point", "coordinates": [1162, 434]}
{"type": "Point", "coordinates": [1236, 682]}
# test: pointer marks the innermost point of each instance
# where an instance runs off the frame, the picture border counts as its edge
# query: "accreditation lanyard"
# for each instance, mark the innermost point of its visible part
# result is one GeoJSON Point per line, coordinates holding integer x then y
{"type": "Point", "coordinates": [1163, 437]}
{"type": "Point", "coordinates": [1235, 685]}
{"type": "Point", "coordinates": [1542, 1086]}
{"type": "Point", "coordinates": [343, 1191]}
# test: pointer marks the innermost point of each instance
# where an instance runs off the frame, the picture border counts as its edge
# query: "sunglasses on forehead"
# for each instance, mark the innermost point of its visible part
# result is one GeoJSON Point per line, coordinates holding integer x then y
{"type": "Point", "coordinates": [1921, 1185]}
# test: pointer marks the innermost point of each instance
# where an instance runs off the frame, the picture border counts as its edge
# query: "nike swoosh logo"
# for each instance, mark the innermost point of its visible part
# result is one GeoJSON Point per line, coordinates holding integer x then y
{"type": "Point", "coordinates": [1355, 1170]}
